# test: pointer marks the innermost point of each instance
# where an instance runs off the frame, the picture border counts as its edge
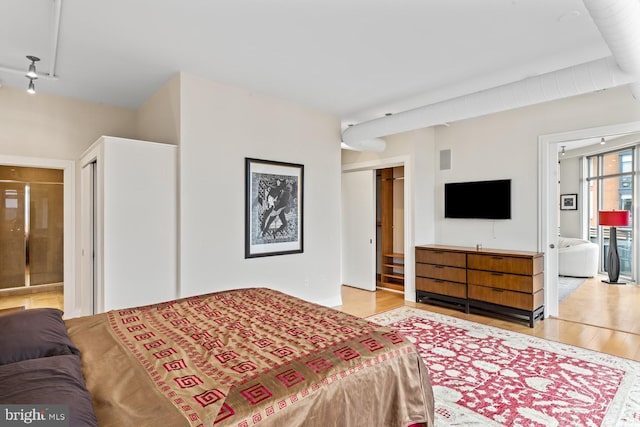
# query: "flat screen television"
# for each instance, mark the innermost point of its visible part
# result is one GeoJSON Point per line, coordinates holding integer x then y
{"type": "Point", "coordinates": [478, 199]}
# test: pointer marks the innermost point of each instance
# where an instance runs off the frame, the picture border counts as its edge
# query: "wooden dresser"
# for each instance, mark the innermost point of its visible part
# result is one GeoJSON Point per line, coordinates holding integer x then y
{"type": "Point", "coordinates": [491, 281]}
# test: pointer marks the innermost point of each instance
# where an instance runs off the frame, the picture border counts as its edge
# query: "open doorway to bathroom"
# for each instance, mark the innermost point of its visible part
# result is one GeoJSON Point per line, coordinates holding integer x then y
{"type": "Point", "coordinates": [31, 237]}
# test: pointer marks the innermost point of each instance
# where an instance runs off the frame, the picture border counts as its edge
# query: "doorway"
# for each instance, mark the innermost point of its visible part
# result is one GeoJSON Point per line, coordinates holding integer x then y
{"type": "Point", "coordinates": [549, 197]}
{"type": "Point", "coordinates": [390, 228]}
{"type": "Point", "coordinates": [368, 251]}
{"type": "Point", "coordinates": [32, 229]}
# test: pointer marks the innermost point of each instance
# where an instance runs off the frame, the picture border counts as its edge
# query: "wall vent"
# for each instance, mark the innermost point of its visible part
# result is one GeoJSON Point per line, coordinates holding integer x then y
{"type": "Point", "coordinates": [445, 160]}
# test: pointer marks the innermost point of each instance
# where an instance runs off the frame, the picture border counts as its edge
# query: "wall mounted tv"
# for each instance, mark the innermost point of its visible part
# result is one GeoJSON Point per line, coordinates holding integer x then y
{"type": "Point", "coordinates": [478, 199]}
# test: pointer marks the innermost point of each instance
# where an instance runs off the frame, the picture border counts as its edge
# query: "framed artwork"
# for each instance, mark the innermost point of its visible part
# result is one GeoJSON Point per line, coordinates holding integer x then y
{"type": "Point", "coordinates": [568, 202]}
{"type": "Point", "coordinates": [273, 208]}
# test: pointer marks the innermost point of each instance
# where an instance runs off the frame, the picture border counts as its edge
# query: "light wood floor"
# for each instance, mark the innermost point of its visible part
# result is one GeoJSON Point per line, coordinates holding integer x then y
{"type": "Point", "coordinates": [596, 316]}
{"type": "Point", "coordinates": [53, 299]}
{"type": "Point", "coordinates": [600, 304]}
{"type": "Point", "coordinates": [592, 328]}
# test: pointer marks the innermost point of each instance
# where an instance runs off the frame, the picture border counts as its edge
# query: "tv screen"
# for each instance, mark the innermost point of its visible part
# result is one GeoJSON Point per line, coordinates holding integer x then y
{"type": "Point", "coordinates": [479, 199]}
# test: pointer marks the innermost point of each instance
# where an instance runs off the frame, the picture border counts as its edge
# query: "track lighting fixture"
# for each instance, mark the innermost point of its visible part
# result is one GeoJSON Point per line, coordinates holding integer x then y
{"type": "Point", "coordinates": [563, 152]}
{"type": "Point", "coordinates": [32, 74]}
{"type": "Point", "coordinates": [32, 87]}
{"type": "Point", "coordinates": [602, 141]}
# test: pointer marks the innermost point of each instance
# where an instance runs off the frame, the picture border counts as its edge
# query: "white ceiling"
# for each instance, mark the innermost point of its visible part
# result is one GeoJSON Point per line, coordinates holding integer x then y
{"type": "Point", "coordinates": [357, 59]}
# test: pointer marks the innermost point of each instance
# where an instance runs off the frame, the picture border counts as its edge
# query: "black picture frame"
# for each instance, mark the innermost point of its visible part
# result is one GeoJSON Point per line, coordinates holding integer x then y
{"type": "Point", "coordinates": [274, 208]}
{"type": "Point", "coordinates": [568, 202]}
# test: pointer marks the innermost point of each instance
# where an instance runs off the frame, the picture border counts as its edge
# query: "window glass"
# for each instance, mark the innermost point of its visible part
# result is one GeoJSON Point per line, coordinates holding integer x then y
{"type": "Point", "coordinates": [610, 187]}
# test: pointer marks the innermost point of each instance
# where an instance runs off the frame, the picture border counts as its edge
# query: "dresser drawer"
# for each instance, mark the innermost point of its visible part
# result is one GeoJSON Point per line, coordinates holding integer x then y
{"type": "Point", "coordinates": [442, 272]}
{"type": "Point", "coordinates": [511, 282]}
{"type": "Point", "coordinates": [434, 256]}
{"type": "Point", "coordinates": [513, 299]}
{"type": "Point", "coordinates": [505, 264]}
{"type": "Point", "coordinates": [442, 287]}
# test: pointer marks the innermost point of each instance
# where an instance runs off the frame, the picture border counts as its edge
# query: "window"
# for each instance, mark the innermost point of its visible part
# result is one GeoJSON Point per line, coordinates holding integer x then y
{"type": "Point", "coordinates": [610, 187]}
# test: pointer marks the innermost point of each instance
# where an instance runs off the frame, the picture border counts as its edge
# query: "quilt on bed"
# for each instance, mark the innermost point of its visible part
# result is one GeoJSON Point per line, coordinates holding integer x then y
{"type": "Point", "coordinates": [246, 357]}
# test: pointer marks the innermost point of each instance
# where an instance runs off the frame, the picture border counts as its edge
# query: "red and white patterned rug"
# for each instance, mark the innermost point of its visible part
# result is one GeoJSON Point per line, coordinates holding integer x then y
{"type": "Point", "coordinates": [486, 376]}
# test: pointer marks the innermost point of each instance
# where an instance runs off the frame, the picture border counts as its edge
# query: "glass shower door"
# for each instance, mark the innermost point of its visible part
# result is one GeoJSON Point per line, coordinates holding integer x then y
{"type": "Point", "coordinates": [31, 226]}
{"type": "Point", "coordinates": [12, 235]}
{"type": "Point", "coordinates": [45, 233]}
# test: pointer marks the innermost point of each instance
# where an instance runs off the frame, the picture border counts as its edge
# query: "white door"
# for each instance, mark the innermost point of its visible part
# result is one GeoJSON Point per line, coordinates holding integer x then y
{"type": "Point", "coordinates": [548, 224]}
{"type": "Point", "coordinates": [359, 229]}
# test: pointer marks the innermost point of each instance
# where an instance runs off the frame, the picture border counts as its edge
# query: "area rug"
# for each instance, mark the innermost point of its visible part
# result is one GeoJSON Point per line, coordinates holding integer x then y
{"type": "Point", "coordinates": [566, 285]}
{"type": "Point", "coordinates": [486, 376]}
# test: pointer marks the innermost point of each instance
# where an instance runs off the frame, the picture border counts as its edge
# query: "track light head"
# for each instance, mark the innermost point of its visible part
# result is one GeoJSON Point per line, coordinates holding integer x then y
{"type": "Point", "coordinates": [32, 87]}
{"type": "Point", "coordinates": [563, 152]}
{"type": "Point", "coordinates": [32, 73]}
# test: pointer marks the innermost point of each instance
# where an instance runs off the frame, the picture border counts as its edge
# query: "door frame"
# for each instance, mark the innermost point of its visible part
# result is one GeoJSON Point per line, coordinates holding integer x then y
{"type": "Point", "coordinates": [71, 307]}
{"type": "Point", "coordinates": [87, 265]}
{"type": "Point", "coordinates": [409, 263]}
{"type": "Point", "coordinates": [548, 199]}
{"type": "Point", "coordinates": [91, 222]}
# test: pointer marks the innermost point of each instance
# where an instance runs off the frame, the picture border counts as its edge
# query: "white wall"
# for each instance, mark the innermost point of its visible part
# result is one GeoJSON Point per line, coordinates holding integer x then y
{"type": "Point", "coordinates": [158, 120]}
{"type": "Point", "coordinates": [50, 126]}
{"type": "Point", "coordinates": [220, 127]}
{"type": "Point", "coordinates": [570, 220]}
{"type": "Point", "coordinates": [505, 145]}
{"type": "Point", "coordinates": [485, 149]}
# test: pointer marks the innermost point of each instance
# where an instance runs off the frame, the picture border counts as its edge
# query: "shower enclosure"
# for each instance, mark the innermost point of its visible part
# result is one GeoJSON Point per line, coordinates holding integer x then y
{"type": "Point", "coordinates": [31, 233]}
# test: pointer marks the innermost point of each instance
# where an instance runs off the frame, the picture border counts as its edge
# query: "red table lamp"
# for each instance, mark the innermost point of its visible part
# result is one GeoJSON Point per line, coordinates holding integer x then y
{"type": "Point", "coordinates": [613, 219]}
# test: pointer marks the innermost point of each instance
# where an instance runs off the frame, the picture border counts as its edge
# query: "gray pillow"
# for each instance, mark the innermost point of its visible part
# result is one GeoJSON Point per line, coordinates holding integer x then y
{"type": "Point", "coordinates": [34, 333]}
{"type": "Point", "coordinates": [55, 380]}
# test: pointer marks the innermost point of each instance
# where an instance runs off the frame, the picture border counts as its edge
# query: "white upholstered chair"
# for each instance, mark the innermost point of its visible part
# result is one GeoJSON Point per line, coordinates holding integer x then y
{"type": "Point", "coordinates": [577, 257]}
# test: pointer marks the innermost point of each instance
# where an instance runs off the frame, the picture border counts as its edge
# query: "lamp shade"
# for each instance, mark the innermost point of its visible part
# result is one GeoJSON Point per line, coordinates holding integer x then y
{"type": "Point", "coordinates": [613, 218]}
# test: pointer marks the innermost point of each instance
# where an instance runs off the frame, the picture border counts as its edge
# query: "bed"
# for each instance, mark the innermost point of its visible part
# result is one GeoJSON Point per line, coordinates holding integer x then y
{"type": "Point", "coordinates": [247, 357]}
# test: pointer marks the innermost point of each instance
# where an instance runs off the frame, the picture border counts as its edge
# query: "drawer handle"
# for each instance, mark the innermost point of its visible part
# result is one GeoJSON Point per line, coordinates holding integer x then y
{"type": "Point", "coordinates": [497, 257]}
{"type": "Point", "coordinates": [439, 266]}
{"type": "Point", "coordinates": [497, 274]}
{"type": "Point", "coordinates": [439, 281]}
{"type": "Point", "coordinates": [497, 290]}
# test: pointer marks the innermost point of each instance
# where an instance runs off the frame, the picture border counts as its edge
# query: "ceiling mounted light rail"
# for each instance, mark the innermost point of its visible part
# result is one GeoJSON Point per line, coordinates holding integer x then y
{"type": "Point", "coordinates": [50, 57]}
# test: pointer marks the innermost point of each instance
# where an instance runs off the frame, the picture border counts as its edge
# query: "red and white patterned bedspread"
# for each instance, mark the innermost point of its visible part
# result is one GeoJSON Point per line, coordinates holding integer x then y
{"type": "Point", "coordinates": [246, 357]}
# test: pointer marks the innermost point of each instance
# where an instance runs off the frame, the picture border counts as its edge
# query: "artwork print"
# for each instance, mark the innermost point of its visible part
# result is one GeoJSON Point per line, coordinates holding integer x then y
{"type": "Point", "coordinates": [273, 208]}
{"type": "Point", "coordinates": [568, 202]}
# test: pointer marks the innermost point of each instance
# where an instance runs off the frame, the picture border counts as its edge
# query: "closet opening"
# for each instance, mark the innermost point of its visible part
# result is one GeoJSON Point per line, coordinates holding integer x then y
{"type": "Point", "coordinates": [390, 228]}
